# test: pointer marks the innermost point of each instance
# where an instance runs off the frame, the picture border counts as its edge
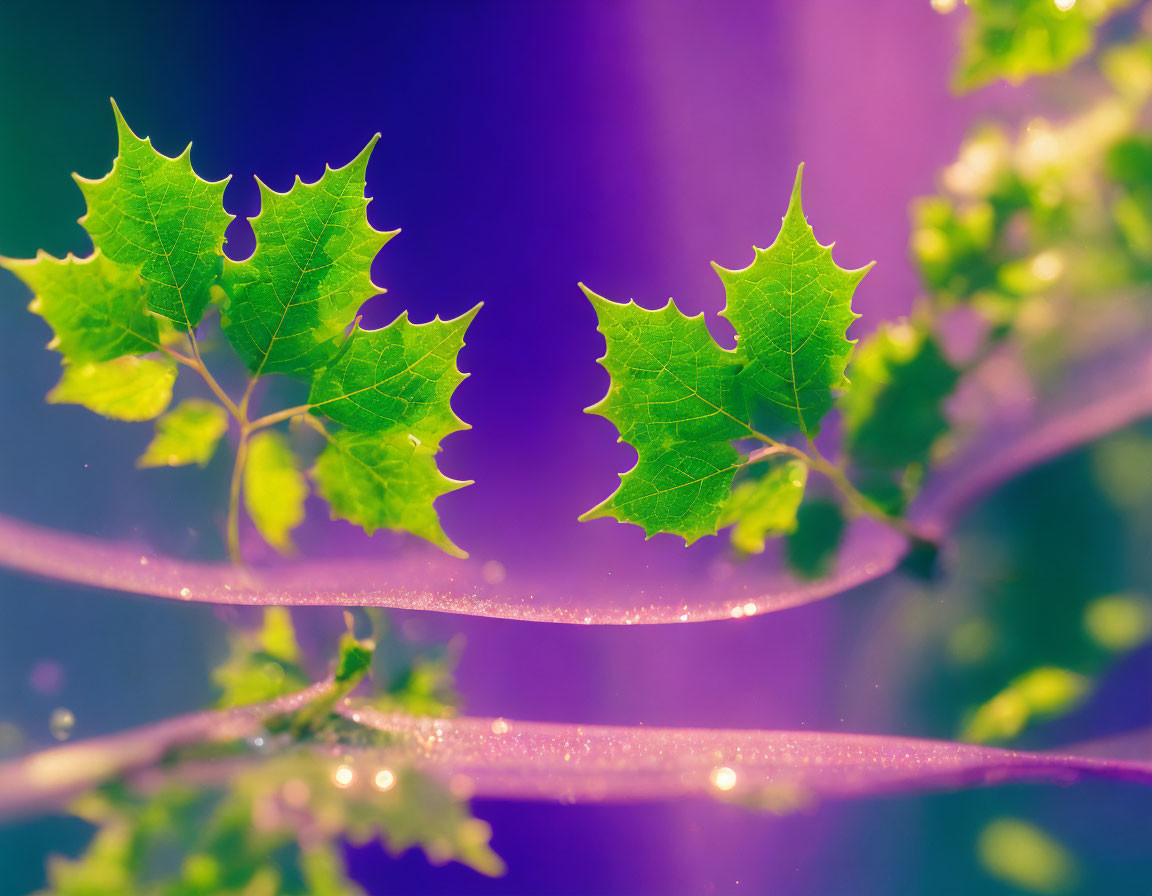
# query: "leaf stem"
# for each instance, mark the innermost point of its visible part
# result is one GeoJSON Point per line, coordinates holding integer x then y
{"type": "Point", "coordinates": [278, 416]}
{"type": "Point", "coordinates": [861, 502]}
{"type": "Point", "coordinates": [234, 496]}
{"type": "Point", "coordinates": [836, 475]}
{"type": "Point", "coordinates": [197, 363]}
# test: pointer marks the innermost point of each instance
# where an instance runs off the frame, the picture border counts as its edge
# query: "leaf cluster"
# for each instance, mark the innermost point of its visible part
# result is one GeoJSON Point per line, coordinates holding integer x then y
{"type": "Point", "coordinates": [130, 315]}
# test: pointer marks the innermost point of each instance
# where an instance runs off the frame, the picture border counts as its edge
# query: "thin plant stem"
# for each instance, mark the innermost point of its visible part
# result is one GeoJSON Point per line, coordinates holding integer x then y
{"type": "Point", "coordinates": [279, 416]}
{"type": "Point", "coordinates": [233, 528]}
{"type": "Point", "coordinates": [860, 502]}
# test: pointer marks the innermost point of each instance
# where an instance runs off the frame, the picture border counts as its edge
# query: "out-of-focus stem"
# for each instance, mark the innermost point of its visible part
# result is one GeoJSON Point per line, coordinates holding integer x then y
{"type": "Point", "coordinates": [234, 497]}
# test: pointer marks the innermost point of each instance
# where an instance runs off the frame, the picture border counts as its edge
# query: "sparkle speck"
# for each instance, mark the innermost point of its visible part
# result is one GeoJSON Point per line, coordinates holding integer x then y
{"type": "Point", "coordinates": [385, 779]}
{"type": "Point", "coordinates": [723, 778]}
{"type": "Point", "coordinates": [343, 776]}
{"type": "Point", "coordinates": [185, 592]}
{"type": "Point", "coordinates": [1064, 5]}
{"type": "Point", "coordinates": [61, 723]}
{"type": "Point", "coordinates": [749, 609]}
{"type": "Point", "coordinates": [499, 726]}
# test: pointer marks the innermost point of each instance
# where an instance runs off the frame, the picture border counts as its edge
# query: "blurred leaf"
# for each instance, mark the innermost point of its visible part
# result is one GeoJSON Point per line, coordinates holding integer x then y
{"type": "Point", "coordinates": [1022, 855]}
{"type": "Point", "coordinates": [1015, 39]}
{"type": "Point", "coordinates": [764, 508]}
{"type": "Point", "coordinates": [1119, 621]}
{"type": "Point", "coordinates": [893, 411]}
{"type": "Point", "coordinates": [188, 434]}
{"type": "Point", "coordinates": [1040, 693]}
{"type": "Point", "coordinates": [123, 388]}
{"type": "Point", "coordinates": [812, 547]}
{"type": "Point", "coordinates": [262, 665]}
{"type": "Point", "coordinates": [274, 489]}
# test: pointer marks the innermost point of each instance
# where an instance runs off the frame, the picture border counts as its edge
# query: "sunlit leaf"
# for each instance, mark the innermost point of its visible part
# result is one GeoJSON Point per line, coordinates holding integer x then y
{"type": "Point", "coordinates": [156, 214]}
{"type": "Point", "coordinates": [290, 304]}
{"type": "Point", "coordinates": [123, 388]}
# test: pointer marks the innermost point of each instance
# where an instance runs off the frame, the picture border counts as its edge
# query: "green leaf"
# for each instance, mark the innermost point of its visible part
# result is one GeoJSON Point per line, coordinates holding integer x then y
{"type": "Point", "coordinates": [812, 547]}
{"type": "Point", "coordinates": [1015, 39]}
{"type": "Point", "coordinates": [766, 507]}
{"type": "Point", "coordinates": [353, 662]}
{"type": "Point", "coordinates": [385, 481]}
{"type": "Point", "coordinates": [155, 213]}
{"type": "Point", "coordinates": [674, 397]}
{"type": "Point", "coordinates": [188, 434]}
{"type": "Point", "coordinates": [398, 379]}
{"type": "Point", "coordinates": [262, 665]}
{"type": "Point", "coordinates": [681, 489]}
{"type": "Point", "coordinates": [123, 388]}
{"type": "Point", "coordinates": [791, 308]}
{"type": "Point", "coordinates": [893, 412]}
{"type": "Point", "coordinates": [274, 488]}
{"type": "Point", "coordinates": [291, 303]}
{"type": "Point", "coordinates": [96, 307]}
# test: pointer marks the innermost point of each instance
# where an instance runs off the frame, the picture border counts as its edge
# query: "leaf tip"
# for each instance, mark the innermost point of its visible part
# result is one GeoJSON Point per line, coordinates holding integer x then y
{"type": "Point", "coordinates": [795, 201]}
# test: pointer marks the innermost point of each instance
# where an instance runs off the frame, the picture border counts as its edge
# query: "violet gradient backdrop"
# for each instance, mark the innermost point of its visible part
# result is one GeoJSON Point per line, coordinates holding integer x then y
{"type": "Point", "coordinates": [526, 146]}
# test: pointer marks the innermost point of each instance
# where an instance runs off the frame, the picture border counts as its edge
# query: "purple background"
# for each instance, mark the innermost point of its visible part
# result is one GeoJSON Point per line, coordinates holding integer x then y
{"type": "Point", "coordinates": [526, 146]}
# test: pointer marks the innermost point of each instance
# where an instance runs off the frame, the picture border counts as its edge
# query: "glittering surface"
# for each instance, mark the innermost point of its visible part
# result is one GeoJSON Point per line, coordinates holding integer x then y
{"type": "Point", "coordinates": [588, 590]}
{"type": "Point", "coordinates": [52, 777]}
{"type": "Point", "coordinates": [534, 760]}
{"type": "Point", "coordinates": [495, 757]}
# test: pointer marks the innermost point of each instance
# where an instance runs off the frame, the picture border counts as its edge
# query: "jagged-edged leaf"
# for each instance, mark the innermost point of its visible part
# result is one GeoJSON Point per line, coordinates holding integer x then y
{"type": "Point", "coordinates": [274, 488]}
{"type": "Point", "coordinates": [123, 388]}
{"type": "Point", "coordinates": [290, 304]}
{"type": "Point", "coordinates": [764, 508]}
{"type": "Point", "coordinates": [155, 213]}
{"type": "Point", "coordinates": [812, 546]}
{"type": "Point", "coordinates": [96, 307]}
{"type": "Point", "coordinates": [679, 489]}
{"type": "Point", "coordinates": [397, 379]}
{"type": "Point", "coordinates": [188, 434]}
{"type": "Point", "coordinates": [385, 482]}
{"type": "Point", "coordinates": [1015, 39]}
{"type": "Point", "coordinates": [791, 309]}
{"type": "Point", "coordinates": [893, 411]}
{"type": "Point", "coordinates": [674, 397]}
{"type": "Point", "coordinates": [670, 382]}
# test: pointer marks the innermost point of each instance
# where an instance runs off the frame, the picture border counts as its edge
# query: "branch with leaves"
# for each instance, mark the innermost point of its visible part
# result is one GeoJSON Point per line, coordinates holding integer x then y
{"type": "Point", "coordinates": [716, 429]}
{"type": "Point", "coordinates": [132, 313]}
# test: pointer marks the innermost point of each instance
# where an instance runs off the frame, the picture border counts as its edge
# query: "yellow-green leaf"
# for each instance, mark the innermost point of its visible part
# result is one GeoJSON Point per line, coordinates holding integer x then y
{"type": "Point", "coordinates": [188, 434]}
{"type": "Point", "coordinates": [764, 508]}
{"type": "Point", "coordinates": [274, 488]}
{"type": "Point", "coordinates": [123, 388]}
{"type": "Point", "coordinates": [96, 307]}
